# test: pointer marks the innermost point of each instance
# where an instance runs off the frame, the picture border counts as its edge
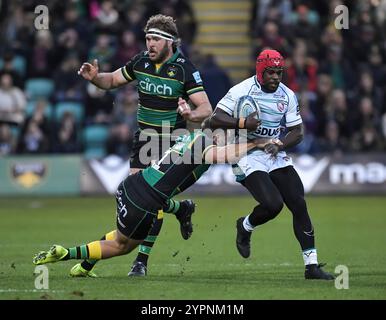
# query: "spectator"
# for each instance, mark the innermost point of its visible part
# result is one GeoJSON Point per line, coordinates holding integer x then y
{"type": "Point", "coordinates": [217, 82]}
{"type": "Point", "coordinates": [125, 107]}
{"type": "Point", "coordinates": [71, 20]}
{"type": "Point", "coordinates": [376, 66]}
{"type": "Point", "coordinates": [319, 104]}
{"type": "Point", "coordinates": [135, 21]}
{"type": "Point", "coordinates": [103, 49]}
{"type": "Point", "coordinates": [271, 38]}
{"type": "Point", "coordinates": [33, 140]}
{"type": "Point", "coordinates": [305, 23]}
{"type": "Point", "coordinates": [332, 142]}
{"type": "Point", "coordinates": [339, 70]}
{"type": "Point", "coordinates": [7, 140]}
{"type": "Point", "coordinates": [309, 143]}
{"type": "Point", "coordinates": [12, 101]}
{"type": "Point", "coordinates": [368, 140]}
{"type": "Point", "coordinates": [41, 58]}
{"type": "Point", "coordinates": [367, 88]}
{"type": "Point", "coordinates": [338, 111]}
{"type": "Point", "coordinates": [120, 140]}
{"type": "Point", "coordinates": [9, 67]}
{"type": "Point", "coordinates": [40, 119]}
{"type": "Point", "coordinates": [66, 138]}
{"type": "Point", "coordinates": [127, 49]}
{"type": "Point", "coordinates": [302, 70]}
{"type": "Point", "coordinates": [366, 114]}
{"type": "Point", "coordinates": [69, 44]}
{"type": "Point", "coordinates": [107, 18]}
{"type": "Point", "coordinates": [99, 105]}
{"type": "Point", "coordinates": [69, 86]}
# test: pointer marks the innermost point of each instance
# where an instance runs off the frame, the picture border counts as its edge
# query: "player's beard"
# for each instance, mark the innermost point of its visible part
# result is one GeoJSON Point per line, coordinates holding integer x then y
{"type": "Point", "coordinates": [162, 54]}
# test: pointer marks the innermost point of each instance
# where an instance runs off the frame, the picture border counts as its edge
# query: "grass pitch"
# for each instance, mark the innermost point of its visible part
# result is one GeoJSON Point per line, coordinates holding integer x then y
{"type": "Point", "coordinates": [350, 231]}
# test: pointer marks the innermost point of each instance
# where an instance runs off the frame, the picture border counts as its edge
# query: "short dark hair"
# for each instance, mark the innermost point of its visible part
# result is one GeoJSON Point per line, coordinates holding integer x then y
{"type": "Point", "coordinates": [164, 23]}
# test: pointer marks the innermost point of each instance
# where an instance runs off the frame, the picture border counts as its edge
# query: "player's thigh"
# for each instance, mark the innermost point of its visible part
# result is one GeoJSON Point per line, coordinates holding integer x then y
{"type": "Point", "coordinates": [262, 188]}
{"type": "Point", "coordinates": [132, 222]}
{"type": "Point", "coordinates": [288, 182]}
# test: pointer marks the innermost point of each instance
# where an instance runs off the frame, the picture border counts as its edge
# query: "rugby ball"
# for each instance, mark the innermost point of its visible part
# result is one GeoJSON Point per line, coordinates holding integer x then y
{"type": "Point", "coordinates": [245, 106]}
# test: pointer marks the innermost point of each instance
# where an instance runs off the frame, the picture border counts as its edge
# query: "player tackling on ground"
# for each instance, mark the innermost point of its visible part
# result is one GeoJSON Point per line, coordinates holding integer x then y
{"type": "Point", "coordinates": [141, 195]}
{"type": "Point", "coordinates": [269, 175]}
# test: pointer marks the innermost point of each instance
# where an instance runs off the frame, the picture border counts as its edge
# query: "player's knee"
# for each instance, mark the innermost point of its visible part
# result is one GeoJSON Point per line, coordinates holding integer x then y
{"type": "Point", "coordinates": [297, 204]}
{"type": "Point", "coordinates": [274, 207]}
{"type": "Point", "coordinates": [123, 248]}
{"type": "Point", "coordinates": [122, 245]}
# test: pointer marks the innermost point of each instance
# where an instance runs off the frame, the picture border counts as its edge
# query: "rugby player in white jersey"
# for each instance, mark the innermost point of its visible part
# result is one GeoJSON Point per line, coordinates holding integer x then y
{"type": "Point", "coordinates": [268, 174]}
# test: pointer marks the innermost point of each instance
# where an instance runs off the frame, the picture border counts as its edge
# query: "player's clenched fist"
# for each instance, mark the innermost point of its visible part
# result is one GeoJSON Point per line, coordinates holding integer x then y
{"type": "Point", "coordinates": [184, 109]}
{"type": "Point", "coordinates": [88, 70]}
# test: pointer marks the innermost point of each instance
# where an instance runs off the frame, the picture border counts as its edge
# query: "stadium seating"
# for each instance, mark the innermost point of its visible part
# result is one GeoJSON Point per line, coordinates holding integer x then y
{"type": "Point", "coordinates": [76, 108]}
{"type": "Point", "coordinates": [15, 131]}
{"type": "Point", "coordinates": [94, 139]}
{"type": "Point", "coordinates": [19, 64]}
{"type": "Point", "coordinates": [48, 112]}
{"type": "Point", "coordinates": [39, 88]}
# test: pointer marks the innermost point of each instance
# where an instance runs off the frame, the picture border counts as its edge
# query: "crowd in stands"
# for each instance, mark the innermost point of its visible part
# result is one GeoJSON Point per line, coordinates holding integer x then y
{"type": "Point", "coordinates": [339, 76]}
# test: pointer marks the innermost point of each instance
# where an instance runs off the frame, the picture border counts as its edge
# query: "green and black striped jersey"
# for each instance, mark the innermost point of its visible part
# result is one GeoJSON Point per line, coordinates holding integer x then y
{"type": "Point", "coordinates": [160, 86]}
{"type": "Point", "coordinates": [181, 166]}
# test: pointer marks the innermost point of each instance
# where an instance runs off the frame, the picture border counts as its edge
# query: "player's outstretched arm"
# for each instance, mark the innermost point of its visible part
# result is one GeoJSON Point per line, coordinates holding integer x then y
{"type": "Point", "coordinates": [104, 80]}
{"type": "Point", "coordinates": [231, 153]}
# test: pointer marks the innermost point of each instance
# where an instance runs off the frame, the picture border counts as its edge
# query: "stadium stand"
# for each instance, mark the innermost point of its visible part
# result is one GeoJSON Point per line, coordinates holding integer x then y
{"type": "Point", "coordinates": [341, 87]}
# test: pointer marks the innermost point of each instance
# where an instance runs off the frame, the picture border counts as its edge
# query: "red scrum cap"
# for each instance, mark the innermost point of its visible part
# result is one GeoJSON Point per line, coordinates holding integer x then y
{"type": "Point", "coordinates": [266, 59]}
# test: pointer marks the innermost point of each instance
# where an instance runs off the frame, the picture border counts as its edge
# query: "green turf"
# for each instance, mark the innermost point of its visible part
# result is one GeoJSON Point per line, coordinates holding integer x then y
{"type": "Point", "coordinates": [349, 231]}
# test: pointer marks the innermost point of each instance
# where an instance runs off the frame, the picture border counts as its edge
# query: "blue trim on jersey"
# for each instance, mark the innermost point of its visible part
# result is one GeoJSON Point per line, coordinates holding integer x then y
{"type": "Point", "coordinates": [257, 82]}
{"type": "Point", "coordinates": [268, 110]}
{"type": "Point", "coordinates": [287, 96]}
{"type": "Point", "coordinates": [225, 107]}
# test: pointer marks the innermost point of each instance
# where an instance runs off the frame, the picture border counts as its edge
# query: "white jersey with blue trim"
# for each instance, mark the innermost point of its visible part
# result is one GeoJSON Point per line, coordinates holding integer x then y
{"type": "Point", "coordinates": [277, 108]}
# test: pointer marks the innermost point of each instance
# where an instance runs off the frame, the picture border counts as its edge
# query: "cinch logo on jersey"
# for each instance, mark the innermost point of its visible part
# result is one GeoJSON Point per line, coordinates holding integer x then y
{"type": "Point", "coordinates": [121, 206]}
{"type": "Point", "coordinates": [261, 131]}
{"type": "Point", "coordinates": [149, 87]}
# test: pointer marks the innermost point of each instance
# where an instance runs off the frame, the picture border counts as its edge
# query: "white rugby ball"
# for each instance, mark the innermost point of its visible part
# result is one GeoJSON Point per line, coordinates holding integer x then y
{"type": "Point", "coordinates": [245, 106]}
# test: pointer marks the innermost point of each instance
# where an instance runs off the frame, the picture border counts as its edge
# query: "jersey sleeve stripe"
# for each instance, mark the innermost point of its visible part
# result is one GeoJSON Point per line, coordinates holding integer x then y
{"type": "Point", "coordinates": [155, 125]}
{"type": "Point", "coordinates": [221, 104]}
{"type": "Point", "coordinates": [194, 90]}
{"type": "Point", "coordinates": [125, 74]}
{"type": "Point", "coordinates": [296, 120]}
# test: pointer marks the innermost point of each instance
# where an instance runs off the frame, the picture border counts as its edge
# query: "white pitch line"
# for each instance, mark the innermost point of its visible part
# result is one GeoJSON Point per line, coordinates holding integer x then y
{"type": "Point", "coordinates": [29, 290]}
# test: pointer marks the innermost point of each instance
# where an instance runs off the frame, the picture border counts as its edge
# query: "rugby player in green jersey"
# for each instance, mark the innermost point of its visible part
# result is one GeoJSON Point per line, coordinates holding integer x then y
{"type": "Point", "coordinates": [140, 196]}
{"type": "Point", "coordinates": [164, 76]}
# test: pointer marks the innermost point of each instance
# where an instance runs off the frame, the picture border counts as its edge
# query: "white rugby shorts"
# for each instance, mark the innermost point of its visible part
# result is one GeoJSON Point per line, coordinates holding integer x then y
{"type": "Point", "coordinates": [260, 161]}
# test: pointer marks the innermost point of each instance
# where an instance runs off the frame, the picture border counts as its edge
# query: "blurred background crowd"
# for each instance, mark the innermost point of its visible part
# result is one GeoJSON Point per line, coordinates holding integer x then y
{"type": "Point", "coordinates": [46, 107]}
